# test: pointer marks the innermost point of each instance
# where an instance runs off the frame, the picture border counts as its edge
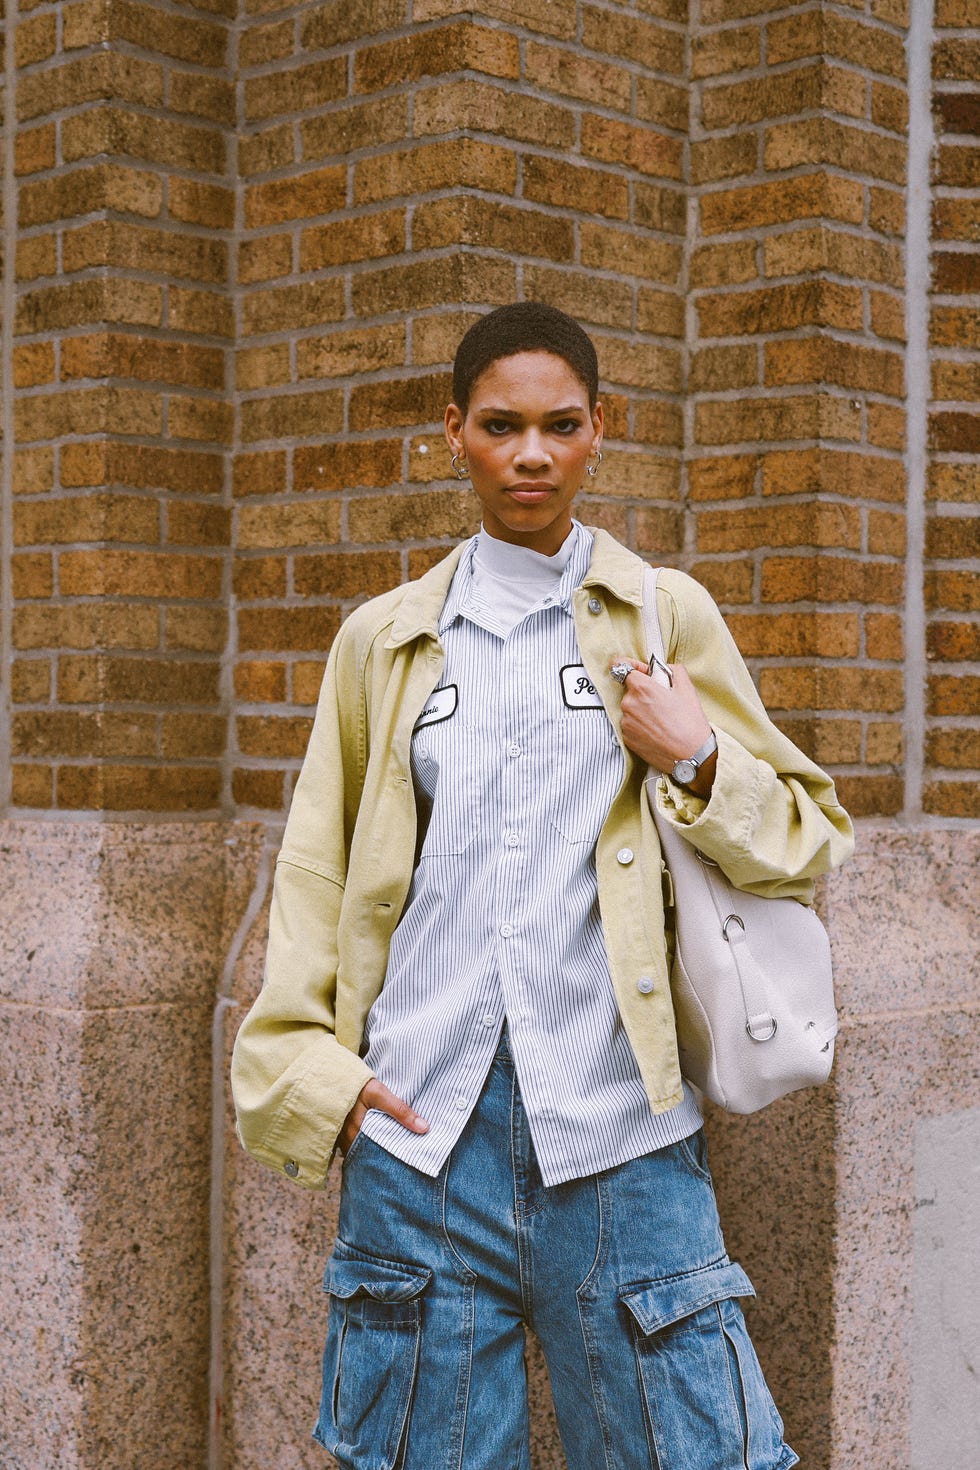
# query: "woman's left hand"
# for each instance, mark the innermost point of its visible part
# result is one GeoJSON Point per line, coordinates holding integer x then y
{"type": "Point", "coordinates": [664, 725]}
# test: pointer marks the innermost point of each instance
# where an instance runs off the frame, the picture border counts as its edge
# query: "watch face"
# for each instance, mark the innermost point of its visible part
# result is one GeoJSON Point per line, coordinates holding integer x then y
{"type": "Point", "coordinates": [684, 771]}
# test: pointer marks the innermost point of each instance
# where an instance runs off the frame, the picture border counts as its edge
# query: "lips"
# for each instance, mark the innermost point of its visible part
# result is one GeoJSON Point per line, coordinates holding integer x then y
{"type": "Point", "coordinates": [531, 492]}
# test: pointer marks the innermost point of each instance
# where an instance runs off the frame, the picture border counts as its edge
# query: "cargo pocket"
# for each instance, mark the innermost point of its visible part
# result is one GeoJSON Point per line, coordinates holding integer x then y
{"type": "Point", "coordinates": [371, 1358]}
{"type": "Point", "coordinates": [706, 1399]}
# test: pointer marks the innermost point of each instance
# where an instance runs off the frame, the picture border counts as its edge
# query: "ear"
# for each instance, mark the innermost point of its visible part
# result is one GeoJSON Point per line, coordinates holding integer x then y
{"type": "Point", "coordinates": [454, 428]}
{"type": "Point", "coordinates": [597, 422]}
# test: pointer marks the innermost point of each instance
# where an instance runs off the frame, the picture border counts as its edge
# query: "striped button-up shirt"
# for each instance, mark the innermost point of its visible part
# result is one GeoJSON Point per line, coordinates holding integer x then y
{"type": "Point", "coordinates": [515, 766]}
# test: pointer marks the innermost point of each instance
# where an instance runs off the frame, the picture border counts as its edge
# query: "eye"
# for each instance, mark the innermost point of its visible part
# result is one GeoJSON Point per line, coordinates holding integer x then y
{"type": "Point", "coordinates": [497, 426]}
{"type": "Point", "coordinates": [566, 426]}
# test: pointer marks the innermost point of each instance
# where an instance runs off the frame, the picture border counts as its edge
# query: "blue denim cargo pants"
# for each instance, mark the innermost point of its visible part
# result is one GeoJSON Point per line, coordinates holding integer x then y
{"type": "Point", "coordinates": [623, 1276]}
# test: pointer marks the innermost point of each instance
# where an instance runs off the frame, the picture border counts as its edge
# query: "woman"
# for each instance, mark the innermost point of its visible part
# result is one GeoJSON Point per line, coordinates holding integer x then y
{"type": "Point", "coordinates": [467, 974]}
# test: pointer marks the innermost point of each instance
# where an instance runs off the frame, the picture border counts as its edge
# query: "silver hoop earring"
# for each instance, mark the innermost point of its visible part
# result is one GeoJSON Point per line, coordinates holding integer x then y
{"type": "Point", "coordinates": [462, 470]}
{"type": "Point", "coordinates": [594, 469]}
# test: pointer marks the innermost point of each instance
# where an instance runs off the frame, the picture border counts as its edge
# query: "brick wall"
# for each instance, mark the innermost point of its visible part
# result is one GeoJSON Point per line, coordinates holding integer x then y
{"type": "Point", "coordinates": [953, 532]}
{"type": "Point", "coordinates": [246, 241]}
{"type": "Point", "coordinates": [120, 340]}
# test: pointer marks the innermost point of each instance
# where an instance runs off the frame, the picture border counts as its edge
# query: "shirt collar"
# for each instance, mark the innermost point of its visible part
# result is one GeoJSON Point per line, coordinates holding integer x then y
{"type": "Point", "coordinates": [458, 598]}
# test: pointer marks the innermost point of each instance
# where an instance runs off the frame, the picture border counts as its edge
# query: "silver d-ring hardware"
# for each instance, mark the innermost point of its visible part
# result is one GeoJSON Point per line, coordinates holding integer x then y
{"type": "Point", "coordinates": [705, 862]}
{"type": "Point", "coordinates": [732, 919]}
{"type": "Point", "coordinates": [769, 1034]}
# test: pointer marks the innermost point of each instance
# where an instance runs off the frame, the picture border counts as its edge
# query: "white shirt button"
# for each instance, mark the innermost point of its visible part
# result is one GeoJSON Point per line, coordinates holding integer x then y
{"type": "Point", "coordinates": [595, 606]}
{"type": "Point", "coordinates": [460, 1102]}
{"type": "Point", "coordinates": [513, 751]}
{"type": "Point", "coordinates": [489, 1020]}
{"type": "Point", "coordinates": [512, 839]}
{"type": "Point", "coordinates": [506, 930]}
{"type": "Point", "coordinates": [624, 856]}
{"type": "Point", "coordinates": [644, 985]}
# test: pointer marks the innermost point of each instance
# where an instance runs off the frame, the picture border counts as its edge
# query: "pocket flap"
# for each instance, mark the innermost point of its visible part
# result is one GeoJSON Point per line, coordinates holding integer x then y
{"type": "Point", "coordinates": [349, 1275]}
{"type": "Point", "coordinates": [658, 1304]}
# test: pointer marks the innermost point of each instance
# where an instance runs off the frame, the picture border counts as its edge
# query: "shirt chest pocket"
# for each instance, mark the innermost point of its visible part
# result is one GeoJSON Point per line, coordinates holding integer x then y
{"type": "Point", "coordinates": [584, 774]}
{"type": "Point", "coordinates": [447, 761]}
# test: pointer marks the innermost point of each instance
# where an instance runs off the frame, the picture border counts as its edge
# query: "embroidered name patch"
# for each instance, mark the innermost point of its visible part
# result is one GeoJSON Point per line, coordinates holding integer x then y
{"type": "Point", "coordinates": [440, 704]}
{"type": "Point", "coordinates": [577, 689]}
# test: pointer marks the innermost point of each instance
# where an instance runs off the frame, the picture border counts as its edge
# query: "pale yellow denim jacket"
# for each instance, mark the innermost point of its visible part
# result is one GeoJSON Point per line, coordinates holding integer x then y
{"type": "Point", "coordinates": [773, 823]}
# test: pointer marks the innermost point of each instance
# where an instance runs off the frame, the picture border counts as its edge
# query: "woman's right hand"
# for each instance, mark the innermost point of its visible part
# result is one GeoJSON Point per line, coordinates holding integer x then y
{"type": "Point", "coordinates": [374, 1094]}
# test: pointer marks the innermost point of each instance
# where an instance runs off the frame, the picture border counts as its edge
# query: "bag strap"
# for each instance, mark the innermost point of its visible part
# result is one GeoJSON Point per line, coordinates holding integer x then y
{"type": "Point", "coordinates": [651, 622]}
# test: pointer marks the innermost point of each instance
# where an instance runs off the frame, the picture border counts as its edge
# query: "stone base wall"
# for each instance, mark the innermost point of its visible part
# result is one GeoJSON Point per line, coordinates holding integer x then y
{"type": "Point", "coordinates": [129, 1212]}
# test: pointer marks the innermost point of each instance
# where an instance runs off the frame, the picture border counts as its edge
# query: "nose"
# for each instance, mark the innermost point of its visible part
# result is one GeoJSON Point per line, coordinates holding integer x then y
{"type": "Point", "coordinates": [532, 451]}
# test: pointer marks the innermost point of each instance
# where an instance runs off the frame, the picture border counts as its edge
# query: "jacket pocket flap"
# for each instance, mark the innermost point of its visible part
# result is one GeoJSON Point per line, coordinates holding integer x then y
{"type": "Point", "coordinates": [658, 1304]}
{"type": "Point", "coordinates": [348, 1276]}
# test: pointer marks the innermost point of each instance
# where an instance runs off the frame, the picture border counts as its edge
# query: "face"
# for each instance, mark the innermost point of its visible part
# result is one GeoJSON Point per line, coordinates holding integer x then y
{"type": "Point", "coordinates": [526, 437]}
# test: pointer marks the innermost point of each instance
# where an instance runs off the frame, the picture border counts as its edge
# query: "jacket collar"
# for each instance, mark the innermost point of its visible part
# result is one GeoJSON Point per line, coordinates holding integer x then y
{"type": "Point", "coordinates": [612, 566]}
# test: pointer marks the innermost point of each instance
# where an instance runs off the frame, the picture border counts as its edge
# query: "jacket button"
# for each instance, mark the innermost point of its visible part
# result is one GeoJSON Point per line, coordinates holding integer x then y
{"type": "Point", "coordinates": [624, 856]}
{"type": "Point", "coordinates": [644, 985]}
{"type": "Point", "coordinates": [595, 606]}
{"type": "Point", "coordinates": [291, 1168]}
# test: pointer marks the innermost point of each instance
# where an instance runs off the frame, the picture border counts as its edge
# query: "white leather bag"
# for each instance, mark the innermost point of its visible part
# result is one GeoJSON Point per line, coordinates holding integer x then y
{"type": "Point", "coordinates": [751, 978]}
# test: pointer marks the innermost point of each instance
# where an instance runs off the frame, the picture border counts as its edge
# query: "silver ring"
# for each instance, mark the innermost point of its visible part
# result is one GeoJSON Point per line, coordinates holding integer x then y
{"type": "Point", "coordinates": [620, 672]}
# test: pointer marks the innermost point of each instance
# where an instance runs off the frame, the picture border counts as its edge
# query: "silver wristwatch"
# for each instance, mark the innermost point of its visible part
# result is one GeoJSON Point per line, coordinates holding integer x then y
{"type": "Point", "coordinates": [685, 771]}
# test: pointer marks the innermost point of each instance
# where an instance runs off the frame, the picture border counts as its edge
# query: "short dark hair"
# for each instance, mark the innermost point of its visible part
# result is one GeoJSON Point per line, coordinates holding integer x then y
{"type": "Point", "coordinates": [523, 326]}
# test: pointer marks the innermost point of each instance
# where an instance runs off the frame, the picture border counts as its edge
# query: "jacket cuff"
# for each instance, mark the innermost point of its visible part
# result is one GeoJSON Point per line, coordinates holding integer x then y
{"type": "Point", "coordinates": [721, 822]}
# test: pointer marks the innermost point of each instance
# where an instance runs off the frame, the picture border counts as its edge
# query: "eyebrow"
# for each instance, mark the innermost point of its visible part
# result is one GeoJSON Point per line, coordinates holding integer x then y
{"type": "Point", "coordinates": [516, 413]}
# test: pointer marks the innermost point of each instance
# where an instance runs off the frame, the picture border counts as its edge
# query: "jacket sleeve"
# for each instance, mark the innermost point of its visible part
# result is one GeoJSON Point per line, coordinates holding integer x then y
{"type": "Point", "coordinates": [772, 822]}
{"type": "Point", "coordinates": [291, 1078]}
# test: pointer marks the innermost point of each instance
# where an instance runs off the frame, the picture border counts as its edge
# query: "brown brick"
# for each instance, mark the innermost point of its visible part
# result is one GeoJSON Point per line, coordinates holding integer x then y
{"type": "Point", "coordinates": [295, 88]}
{"type": "Point", "coordinates": [265, 258]}
{"type": "Point", "coordinates": [714, 369]}
{"type": "Point", "coordinates": [114, 300]}
{"type": "Point", "coordinates": [287, 308]}
{"type": "Point", "coordinates": [585, 78]}
{"type": "Point", "coordinates": [633, 474]}
{"type": "Point", "coordinates": [953, 747]}
{"type": "Point", "coordinates": [660, 313]}
{"type": "Point", "coordinates": [774, 94]}
{"type": "Point", "coordinates": [260, 44]}
{"type": "Point", "coordinates": [956, 219]}
{"type": "Point", "coordinates": [346, 465]}
{"type": "Point", "coordinates": [714, 53]}
{"type": "Point", "coordinates": [262, 472]}
{"type": "Point", "coordinates": [36, 257]}
{"type": "Point", "coordinates": [33, 365]}
{"type": "Point", "coordinates": [589, 297]}
{"type": "Point", "coordinates": [956, 381]}
{"type": "Point", "coordinates": [457, 163]}
{"type": "Point", "coordinates": [87, 410]}
{"type": "Point", "coordinates": [823, 524]}
{"type": "Point", "coordinates": [953, 537]}
{"type": "Point", "coordinates": [263, 789]}
{"type": "Point", "coordinates": [727, 157]}
{"type": "Point", "coordinates": [260, 681]}
{"type": "Point", "coordinates": [729, 582]}
{"type": "Point", "coordinates": [828, 741]}
{"type": "Point", "coordinates": [886, 533]}
{"type": "Point", "coordinates": [301, 196]}
{"type": "Point", "coordinates": [508, 114]}
{"type": "Point", "coordinates": [71, 733]}
{"type": "Point", "coordinates": [659, 530]}
{"type": "Point", "coordinates": [33, 470]}
{"type": "Point", "coordinates": [200, 418]}
{"type": "Point", "coordinates": [347, 574]}
{"type": "Point", "coordinates": [338, 133]}
{"type": "Point", "coordinates": [362, 237]}
{"type": "Point", "coordinates": [640, 365]}
{"type": "Point", "coordinates": [954, 591]}
{"type": "Point", "coordinates": [196, 629]}
{"type": "Point", "coordinates": [294, 415]}
{"type": "Point", "coordinates": [828, 687]}
{"type": "Point", "coordinates": [469, 220]}
{"type": "Point", "coordinates": [191, 523]}
{"type": "Point", "coordinates": [830, 579]}
{"type": "Point", "coordinates": [955, 326]}
{"type": "Point", "coordinates": [614, 34]}
{"type": "Point", "coordinates": [101, 625]}
{"type": "Point", "coordinates": [727, 477]}
{"type": "Point", "coordinates": [417, 400]}
{"type": "Point", "coordinates": [952, 799]}
{"type": "Point", "coordinates": [30, 680]}
{"type": "Point", "coordinates": [153, 140]}
{"type": "Point", "coordinates": [957, 112]}
{"type": "Point", "coordinates": [435, 337]}
{"type": "Point", "coordinates": [885, 743]}
{"type": "Point", "coordinates": [796, 635]}
{"type": "Point", "coordinates": [808, 416]}
{"type": "Point", "coordinates": [35, 149]}
{"type": "Point", "coordinates": [780, 201]}
{"type": "Point", "coordinates": [641, 148]}
{"type": "Point", "coordinates": [180, 788]}
{"type": "Point", "coordinates": [951, 642]}
{"type": "Point", "coordinates": [35, 39]}
{"type": "Point", "coordinates": [346, 353]}
{"type": "Point", "coordinates": [205, 313]}
{"type": "Point", "coordinates": [888, 315]}
{"type": "Point", "coordinates": [957, 166]}
{"type": "Point", "coordinates": [258, 577]}
{"type": "Point", "coordinates": [730, 264]}
{"type": "Point", "coordinates": [886, 211]}
{"type": "Point", "coordinates": [956, 61]}
{"type": "Point", "coordinates": [886, 425]}
{"type": "Point", "coordinates": [576, 186]}
{"type": "Point", "coordinates": [883, 637]}
{"type": "Point", "coordinates": [845, 364]}
{"type": "Point", "coordinates": [429, 282]}
{"type": "Point", "coordinates": [656, 207]}
{"type": "Point", "coordinates": [113, 354]}
{"type": "Point", "coordinates": [953, 694]}
{"type": "Point", "coordinates": [84, 679]}
{"type": "Point", "coordinates": [263, 367]}
{"type": "Point", "coordinates": [281, 629]}
{"type": "Point", "coordinates": [86, 518]}
{"type": "Point", "coordinates": [659, 423]}
{"type": "Point", "coordinates": [192, 735]}
{"type": "Point", "coordinates": [296, 523]}
{"type": "Point", "coordinates": [956, 273]}
{"type": "Point", "coordinates": [139, 574]}
{"type": "Point", "coordinates": [307, 678]}
{"type": "Point", "coordinates": [414, 516]}
{"type": "Point", "coordinates": [84, 190]}
{"type": "Point", "coordinates": [833, 143]}
{"type": "Point", "coordinates": [889, 107]}
{"type": "Point", "coordinates": [429, 459]}
{"type": "Point", "coordinates": [267, 150]}
{"type": "Point", "coordinates": [197, 203]}
{"type": "Point", "coordinates": [32, 574]}
{"type": "Point", "coordinates": [89, 22]}
{"type": "Point", "coordinates": [31, 786]}
{"type": "Point", "coordinates": [629, 252]}
{"type": "Point", "coordinates": [956, 482]}
{"type": "Point", "coordinates": [781, 308]}
{"type": "Point", "coordinates": [796, 252]}
{"type": "Point", "coordinates": [89, 79]}
{"type": "Point", "coordinates": [871, 796]}
{"type": "Point", "coordinates": [139, 466]}
{"type": "Point", "coordinates": [438, 52]}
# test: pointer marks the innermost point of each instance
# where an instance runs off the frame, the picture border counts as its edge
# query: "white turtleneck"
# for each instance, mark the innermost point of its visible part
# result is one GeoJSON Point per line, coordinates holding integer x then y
{"type": "Point", "coordinates": [509, 580]}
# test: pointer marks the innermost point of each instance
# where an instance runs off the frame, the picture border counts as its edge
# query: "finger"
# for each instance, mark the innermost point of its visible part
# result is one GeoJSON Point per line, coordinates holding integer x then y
{"type": "Point", "coordinates": [386, 1101]}
{"type": "Point", "coordinates": [632, 665]}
